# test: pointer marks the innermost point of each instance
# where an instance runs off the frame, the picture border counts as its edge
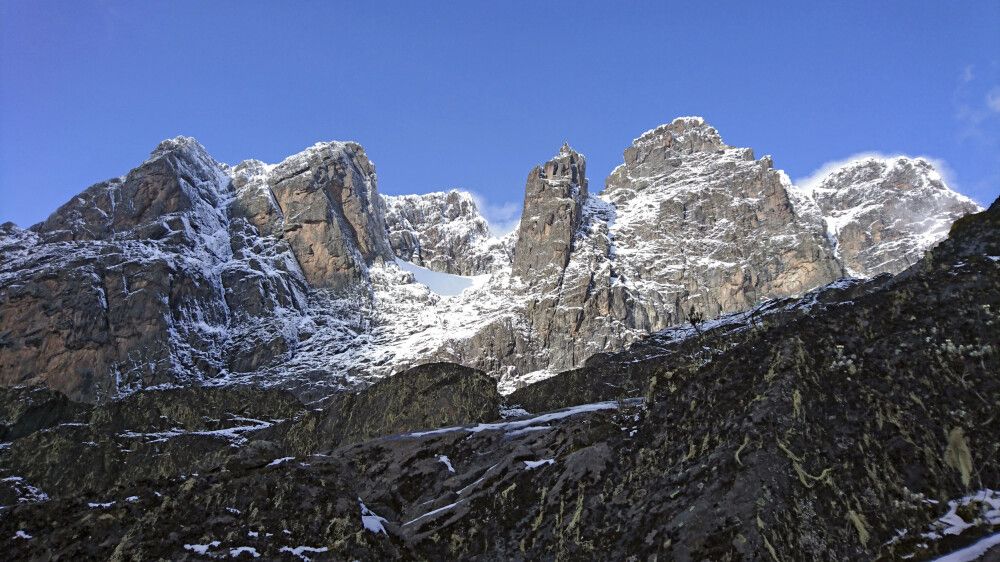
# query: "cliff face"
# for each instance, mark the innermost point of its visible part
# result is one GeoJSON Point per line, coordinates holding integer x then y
{"type": "Point", "coordinates": [699, 223]}
{"type": "Point", "coordinates": [190, 271]}
{"type": "Point", "coordinates": [184, 270]}
{"type": "Point", "coordinates": [136, 282]}
{"type": "Point", "coordinates": [324, 203]}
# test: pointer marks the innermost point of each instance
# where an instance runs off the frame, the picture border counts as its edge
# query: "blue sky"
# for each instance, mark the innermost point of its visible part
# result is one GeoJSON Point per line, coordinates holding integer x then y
{"type": "Point", "coordinates": [473, 94]}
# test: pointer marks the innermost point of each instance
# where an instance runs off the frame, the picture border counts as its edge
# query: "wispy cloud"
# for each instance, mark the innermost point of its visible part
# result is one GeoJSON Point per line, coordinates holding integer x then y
{"type": "Point", "coordinates": [977, 104]}
{"type": "Point", "coordinates": [813, 180]}
{"type": "Point", "coordinates": [503, 217]}
{"type": "Point", "coordinates": [993, 100]}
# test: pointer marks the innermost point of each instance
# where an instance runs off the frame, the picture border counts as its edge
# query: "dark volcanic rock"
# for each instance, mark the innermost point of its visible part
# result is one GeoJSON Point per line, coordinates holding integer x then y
{"type": "Point", "coordinates": [427, 396]}
{"type": "Point", "coordinates": [25, 410]}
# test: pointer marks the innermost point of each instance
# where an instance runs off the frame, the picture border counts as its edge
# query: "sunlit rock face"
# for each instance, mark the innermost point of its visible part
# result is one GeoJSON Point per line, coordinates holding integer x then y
{"type": "Point", "coordinates": [699, 223]}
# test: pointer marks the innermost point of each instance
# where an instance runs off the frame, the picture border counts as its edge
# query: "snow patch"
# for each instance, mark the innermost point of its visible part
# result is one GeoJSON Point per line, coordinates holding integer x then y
{"type": "Point", "coordinates": [444, 284]}
{"type": "Point", "coordinates": [447, 462]}
{"type": "Point", "coordinates": [282, 460]}
{"type": "Point", "coordinates": [972, 553]}
{"type": "Point", "coordinates": [370, 520]}
{"type": "Point", "coordinates": [300, 551]}
{"type": "Point", "coordinates": [201, 548]}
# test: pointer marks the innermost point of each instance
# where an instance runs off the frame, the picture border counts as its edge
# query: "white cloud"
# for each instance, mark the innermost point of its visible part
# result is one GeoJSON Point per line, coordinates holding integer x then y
{"type": "Point", "coordinates": [976, 108]}
{"type": "Point", "coordinates": [503, 217]}
{"type": "Point", "coordinates": [811, 181]}
{"type": "Point", "coordinates": [993, 99]}
{"type": "Point", "coordinates": [967, 74]}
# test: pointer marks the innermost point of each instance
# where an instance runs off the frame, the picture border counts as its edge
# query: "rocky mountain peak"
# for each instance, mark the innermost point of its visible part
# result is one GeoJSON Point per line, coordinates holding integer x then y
{"type": "Point", "coordinates": [883, 213]}
{"type": "Point", "coordinates": [178, 195]}
{"type": "Point", "coordinates": [324, 201]}
{"type": "Point", "coordinates": [179, 143]}
{"type": "Point", "coordinates": [553, 200]}
{"type": "Point", "coordinates": [683, 135]}
{"type": "Point", "coordinates": [567, 165]}
{"type": "Point", "coordinates": [286, 272]}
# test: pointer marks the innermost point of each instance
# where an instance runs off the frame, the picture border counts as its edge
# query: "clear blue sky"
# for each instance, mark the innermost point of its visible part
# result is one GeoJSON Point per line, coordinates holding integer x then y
{"type": "Point", "coordinates": [473, 94]}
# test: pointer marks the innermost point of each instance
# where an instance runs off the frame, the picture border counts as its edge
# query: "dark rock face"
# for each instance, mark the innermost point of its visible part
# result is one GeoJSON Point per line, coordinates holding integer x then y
{"type": "Point", "coordinates": [854, 423]}
{"type": "Point", "coordinates": [431, 395]}
{"type": "Point", "coordinates": [553, 203]}
{"type": "Point", "coordinates": [26, 410]}
{"type": "Point", "coordinates": [184, 269]}
{"type": "Point", "coordinates": [141, 281]}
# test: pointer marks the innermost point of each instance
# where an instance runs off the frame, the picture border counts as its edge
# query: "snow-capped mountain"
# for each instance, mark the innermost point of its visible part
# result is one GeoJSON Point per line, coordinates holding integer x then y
{"type": "Point", "coordinates": [300, 274]}
{"type": "Point", "coordinates": [444, 231]}
{"type": "Point", "coordinates": [882, 213]}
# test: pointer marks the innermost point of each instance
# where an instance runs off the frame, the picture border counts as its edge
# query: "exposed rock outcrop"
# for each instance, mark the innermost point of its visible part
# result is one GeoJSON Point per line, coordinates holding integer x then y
{"type": "Point", "coordinates": [854, 423]}
{"type": "Point", "coordinates": [179, 272]}
{"type": "Point", "coordinates": [554, 195]}
{"type": "Point", "coordinates": [705, 225]}
{"type": "Point", "coordinates": [328, 210]}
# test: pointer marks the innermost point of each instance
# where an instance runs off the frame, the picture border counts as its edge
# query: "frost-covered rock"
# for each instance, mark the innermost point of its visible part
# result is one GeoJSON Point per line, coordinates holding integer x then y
{"type": "Point", "coordinates": [443, 231]}
{"type": "Point", "coordinates": [701, 224]}
{"type": "Point", "coordinates": [300, 275]}
{"type": "Point", "coordinates": [326, 203]}
{"type": "Point", "coordinates": [882, 214]}
{"type": "Point", "coordinates": [143, 280]}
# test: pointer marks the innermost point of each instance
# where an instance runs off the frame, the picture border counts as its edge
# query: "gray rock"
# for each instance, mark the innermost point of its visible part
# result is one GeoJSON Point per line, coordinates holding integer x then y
{"type": "Point", "coordinates": [882, 214]}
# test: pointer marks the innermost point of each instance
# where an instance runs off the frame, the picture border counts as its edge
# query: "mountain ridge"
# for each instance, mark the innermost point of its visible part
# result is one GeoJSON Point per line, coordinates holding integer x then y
{"type": "Point", "coordinates": [285, 273]}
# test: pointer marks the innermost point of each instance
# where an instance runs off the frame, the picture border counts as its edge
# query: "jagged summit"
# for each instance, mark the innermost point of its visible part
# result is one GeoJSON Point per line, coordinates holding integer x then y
{"type": "Point", "coordinates": [443, 231]}
{"type": "Point", "coordinates": [179, 142]}
{"type": "Point", "coordinates": [903, 172]}
{"type": "Point", "coordinates": [881, 213]}
{"type": "Point", "coordinates": [683, 134]}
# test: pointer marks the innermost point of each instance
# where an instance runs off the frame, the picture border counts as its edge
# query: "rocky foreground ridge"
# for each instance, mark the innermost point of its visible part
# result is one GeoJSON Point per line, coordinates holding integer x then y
{"type": "Point", "coordinates": [301, 275]}
{"type": "Point", "coordinates": [857, 422]}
